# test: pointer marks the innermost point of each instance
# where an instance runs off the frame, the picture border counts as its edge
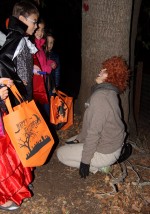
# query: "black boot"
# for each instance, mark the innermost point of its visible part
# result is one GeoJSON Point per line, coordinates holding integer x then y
{"type": "Point", "coordinates": [125, 153]}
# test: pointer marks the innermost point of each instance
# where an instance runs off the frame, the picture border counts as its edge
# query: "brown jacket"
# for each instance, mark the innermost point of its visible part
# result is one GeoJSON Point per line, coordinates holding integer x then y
{"type": "Point", "coordinates": [103, 130]}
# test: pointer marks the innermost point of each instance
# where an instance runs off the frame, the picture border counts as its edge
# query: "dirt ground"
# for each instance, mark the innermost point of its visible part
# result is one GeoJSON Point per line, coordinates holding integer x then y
{"type": "Point", "coordinates": [58, 189]}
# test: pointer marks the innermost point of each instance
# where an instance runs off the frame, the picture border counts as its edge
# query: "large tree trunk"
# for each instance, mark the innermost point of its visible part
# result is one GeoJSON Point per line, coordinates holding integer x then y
{"type": "Point", "coordinates": [105, 33]}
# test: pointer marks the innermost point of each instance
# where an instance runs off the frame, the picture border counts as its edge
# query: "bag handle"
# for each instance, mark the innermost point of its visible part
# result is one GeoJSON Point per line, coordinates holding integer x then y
{"type": "Point", "coordinates": [60, 93]}
{"type": "Point", "coordinates": [8, 105]}
{"type": "Point", "coordinates": [14, 90]}
{"type": "Point", "coordinates": [18, 96]}
{"type": "Point", "coordinates": [16, 93]}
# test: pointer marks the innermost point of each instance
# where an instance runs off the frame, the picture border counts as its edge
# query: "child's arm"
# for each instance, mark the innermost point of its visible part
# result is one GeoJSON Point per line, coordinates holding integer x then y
{"type": "Point", "coordinates": [57, 73]}
{"type": "Point", "coordinates": [50, 65]}
{"type": "Point", "coordinates": [53, 64]}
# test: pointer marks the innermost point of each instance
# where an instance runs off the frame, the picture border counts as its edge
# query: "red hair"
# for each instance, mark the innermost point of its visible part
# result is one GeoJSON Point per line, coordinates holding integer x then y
{"type": "Point", "coordinates": [118, 73]}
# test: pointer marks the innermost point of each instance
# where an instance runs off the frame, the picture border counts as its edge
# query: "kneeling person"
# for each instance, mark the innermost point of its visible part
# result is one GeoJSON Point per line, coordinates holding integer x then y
{"type": "Point", "coordinates": [103, 131]}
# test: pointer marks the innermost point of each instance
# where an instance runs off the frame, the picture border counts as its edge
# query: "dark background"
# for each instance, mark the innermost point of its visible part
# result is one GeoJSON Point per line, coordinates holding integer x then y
{"type": "Point", "coordinates": [64, 17]}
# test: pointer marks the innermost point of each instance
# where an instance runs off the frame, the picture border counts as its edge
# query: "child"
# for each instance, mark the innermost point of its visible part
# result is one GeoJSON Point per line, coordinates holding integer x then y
{"type": "Point", "coordinates": [52, 55]}
{"type": "Point", "coordinates": [53, 77]}
{"type": "Point", "coordinates": [45, 65]}
{"type": "Point", "coordinates": [103, 133]}
{"type": "Point", "coordinates": [16, 63]}
{"type": "Point", "coordinates": [16, 54]}
{"type": "Point", "coordinates": [14, 178]}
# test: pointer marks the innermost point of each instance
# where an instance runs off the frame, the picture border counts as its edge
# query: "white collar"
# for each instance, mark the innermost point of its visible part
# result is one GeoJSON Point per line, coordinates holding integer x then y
{"type": "Point", "coordinates": [21, 44]}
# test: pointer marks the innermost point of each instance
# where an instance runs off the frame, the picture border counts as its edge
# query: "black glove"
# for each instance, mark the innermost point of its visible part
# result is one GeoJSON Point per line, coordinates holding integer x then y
{"type": "Point", "coordinates": [84, 170]}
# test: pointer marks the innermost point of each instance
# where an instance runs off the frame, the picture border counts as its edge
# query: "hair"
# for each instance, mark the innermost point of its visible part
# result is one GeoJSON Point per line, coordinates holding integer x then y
{"type": "Point", "coordinates": [24, 8]}
{"type": "Point", "coordinates": [48, 32]}
{"type": "Point", "coordinates": [41, 21]}
{"type": "Point", "coordinates": [118, 72]}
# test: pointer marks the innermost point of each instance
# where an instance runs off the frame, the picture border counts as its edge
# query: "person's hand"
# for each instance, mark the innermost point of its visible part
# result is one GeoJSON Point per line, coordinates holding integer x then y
{"type": "Point", "coordinates": [24, 82]}
{"type": "Point", "coordinates": [84, 170]}
{"type": "Point", "coordinates": [54, 91]}
{"type": "Point", "coordinates": [3, 93]}
{"type": "Point", "coordinates": [36, 69]}
{"type": "Point", "coordinates": [6, 81]}
{"type": "Point", "coordinates": [53, 65]}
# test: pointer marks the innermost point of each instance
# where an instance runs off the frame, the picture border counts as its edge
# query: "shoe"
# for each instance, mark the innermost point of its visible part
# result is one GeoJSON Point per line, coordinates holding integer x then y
{"type": "Point", "coordinates": [13, 206]}
{"type": "Point", "coordinates": [30, 186]}
{"type": "Point", "coordinates": [125, 153]}
{"type": "Point", "coordinates": [72, 142]}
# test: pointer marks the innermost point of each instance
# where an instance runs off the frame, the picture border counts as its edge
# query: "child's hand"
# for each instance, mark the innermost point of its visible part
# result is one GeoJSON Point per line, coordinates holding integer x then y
{"type": "Point", "coordinates": [53, 65]}
{"type": "Point", "coordinates": [24, 82]}
{"type": "Point", "coordinates": [6, 81]}
{"type": "Point", "coordinates": [3, 93]}
{"type": "Point", "coordinates": [54, 91]}
{"type": "Point", "coordinates": [36, 69]}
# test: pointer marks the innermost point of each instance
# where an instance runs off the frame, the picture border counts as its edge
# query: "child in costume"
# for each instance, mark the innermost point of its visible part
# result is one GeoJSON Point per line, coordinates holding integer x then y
{"type": "Point", "coordinates": [16, 63]}
{"type": "Point", "coordinates": [14, 178]}
{"type": "Point", "coordinates": [16, 60]}
{"type": "Point", "coordinates": [100, 142]}
{"type": "Point", "coordinates": [45, 65]}
{"type": "Point", "coordinates": [42, 65]}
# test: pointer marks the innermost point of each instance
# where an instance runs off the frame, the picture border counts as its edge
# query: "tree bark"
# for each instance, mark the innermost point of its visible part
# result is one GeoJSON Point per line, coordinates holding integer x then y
{"type": "Point", "coordinates": [105, 33]}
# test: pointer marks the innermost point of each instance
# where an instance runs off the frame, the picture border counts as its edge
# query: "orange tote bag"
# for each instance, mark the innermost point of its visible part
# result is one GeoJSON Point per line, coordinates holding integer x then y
{"type": "Point", "coordinates": [69, 102]}
{"type": "Point", "coordinates": [28, 131]}
{"type": "Point", "coordinates": [58, 111]}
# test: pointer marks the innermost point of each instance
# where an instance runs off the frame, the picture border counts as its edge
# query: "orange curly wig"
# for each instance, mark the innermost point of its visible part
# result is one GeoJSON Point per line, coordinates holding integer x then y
{"type": "Point", "coordinates": [118, 73]}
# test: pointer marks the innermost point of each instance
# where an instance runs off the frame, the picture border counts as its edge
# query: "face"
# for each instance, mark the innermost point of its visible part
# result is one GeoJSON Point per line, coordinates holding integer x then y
{"type": "Point", "coordinates": [101, 76]}
{"type": "Point", "coordinates": [31, 22]}
{"type": "Point", "coordinates": [50, 43]}
{"type": "Point", "coordinates": [40, 31]}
